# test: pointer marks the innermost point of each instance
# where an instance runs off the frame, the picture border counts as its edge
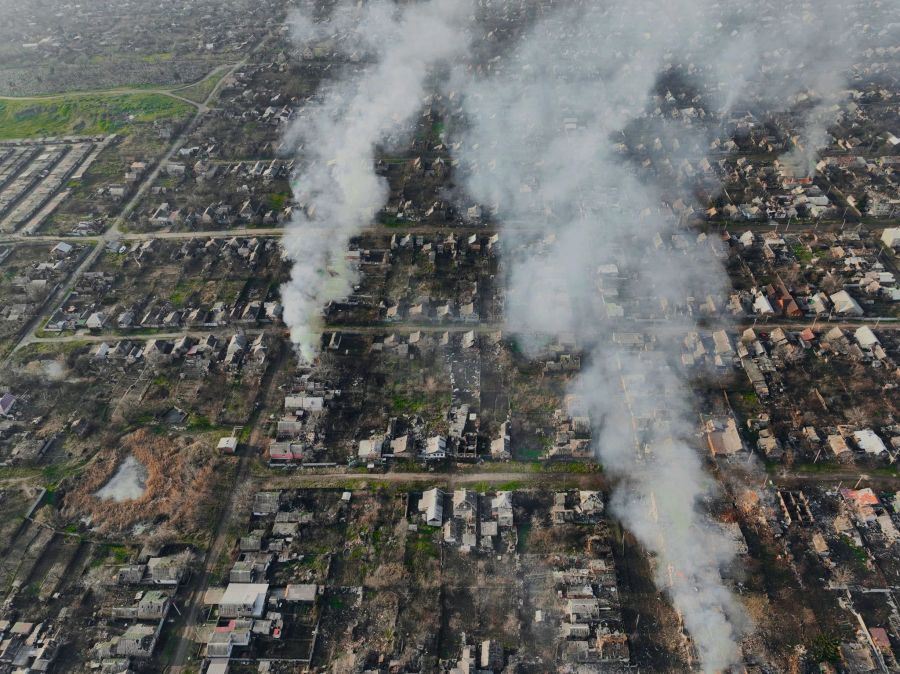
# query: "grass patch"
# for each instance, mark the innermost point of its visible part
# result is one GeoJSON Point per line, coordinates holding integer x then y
{"type": "Point", "coordinates": [858, 553]}
{"type": "Point", "coordinates": [391, 220]}
{"type": "Point", "coordinates": [524, 531]}
{"type": "Point", "coordinates": [820, 467]}
{"type": "Point", "coordinates": [244, 435]}
{"type": "Point", "coordinates": [278, 200]}
{"type": "Point", "coordinates": [119, 553]}
{"type": "Point", "coordinates": [802, 253]}
{"type": "Point", "coordinates": [85, 115]}
{"type": "Point", "coordinates": [18, 472]}
{"type": "Point", "coordinates": [55, 473]}
{"type": "Point", "coordinates": [530, 453]}
{"type": "Point", "coordinates": [825, 648]}
{"type": "Point", "coordinates": [199, 422]}
{"type": "Point", "coordinates": [161, 57]}
{"type": "Point", "coordinates": [406, 466]}
{"type": "Point", "coordinates": [425, 547]}
{"type": "Point", "coordinates": [405, 405]}
{"type": "Point", "coordinates": [160, 381]}
{"type": "Point", "coordinates": [886, 471]}
{"type": "Point", "coordinates": [421, 547]}
{"type": "Point", "coordinates": [571, 467]}
{"type": "Point", "coordinates": [200, 91]}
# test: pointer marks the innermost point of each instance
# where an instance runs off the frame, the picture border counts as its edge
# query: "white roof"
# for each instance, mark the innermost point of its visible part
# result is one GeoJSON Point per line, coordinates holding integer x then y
{"type": "Point", "coordinates": [845, 304]}
{"type": "Point", "coordinates": [722, 342]}
{"type": "Point", "coordinates": [301, 402]}
{"type": "Point", "coordinates": [435, 444]}
{"type": "Point", "coordinates": [370, 447]}
{"type": "Point", "coordinates": [243, 593]}
{"type": "Point", "coordinates": [303, 592]}
{"type": "Point", "coordinates": [229, 442]}
{"type": "Point", "coordinates": [869, 442]}
{"type": "Point", "coordinates": [762, 305]}
{"type": "Point", "coordinates": [866, 337]}
{"type": "Point", "coordinates": [503, 500]}
{"type": "Point", "coordinates": [432, 505]}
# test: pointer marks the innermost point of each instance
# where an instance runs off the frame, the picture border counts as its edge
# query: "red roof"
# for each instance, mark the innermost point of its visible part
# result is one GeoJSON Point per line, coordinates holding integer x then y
{"type": "Point", "coordinates": [860, 496]}
{"type": "Point", "coordinates": [880, 638]}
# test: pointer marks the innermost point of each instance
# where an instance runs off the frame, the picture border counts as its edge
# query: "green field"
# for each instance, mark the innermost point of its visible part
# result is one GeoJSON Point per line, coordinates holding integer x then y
{"type": "Point", "coordinates": [84, 115]}
{"type": "Point", "coordinates": [199, 91]}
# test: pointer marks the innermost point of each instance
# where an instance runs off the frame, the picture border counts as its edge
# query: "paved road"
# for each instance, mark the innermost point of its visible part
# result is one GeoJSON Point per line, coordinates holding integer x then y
{"type": "Point", "coordinates": [299, 479]}
{"type": "Point", "coordinates": [381, 329]}
{"type": "Point", "coordinates": [413, 229]}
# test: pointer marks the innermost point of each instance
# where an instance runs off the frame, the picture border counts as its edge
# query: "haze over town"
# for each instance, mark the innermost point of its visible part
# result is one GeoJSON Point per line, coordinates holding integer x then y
{"type": "Point", "coordinates": [449, 336]}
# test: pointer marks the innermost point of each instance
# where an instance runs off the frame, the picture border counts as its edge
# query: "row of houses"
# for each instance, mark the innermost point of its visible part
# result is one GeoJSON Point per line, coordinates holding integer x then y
{"type": "Point", "coordinates": [239, 352]}
{"type": "Point", "coordinates": [470, 521]}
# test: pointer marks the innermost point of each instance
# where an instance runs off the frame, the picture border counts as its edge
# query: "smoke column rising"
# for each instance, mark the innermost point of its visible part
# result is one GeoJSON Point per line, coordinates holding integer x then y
{"type": "Point", "coordinates": [540, 152]}
{"type": "Point", "coordinates": [593, 245]}
{"type": "Point", "coordinates": [337, 186]}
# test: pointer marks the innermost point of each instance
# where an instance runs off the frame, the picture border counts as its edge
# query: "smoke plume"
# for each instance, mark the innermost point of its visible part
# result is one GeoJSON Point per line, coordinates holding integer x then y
{"type": "Point", "coordinates": [576, 142]}
{"type": "Point", "coordinates": [337, 136]}
{"type": "Point", "coordinates": [545, 151]}
{"type": "Point", "coordinates": [583, 135]}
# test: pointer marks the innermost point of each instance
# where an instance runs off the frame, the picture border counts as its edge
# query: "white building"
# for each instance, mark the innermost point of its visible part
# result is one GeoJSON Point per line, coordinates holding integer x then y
{"type": "Point", "coordinates": [305, 403]}
{"type": "Point", "coordinates": [762, 305]}
{"type": "Point", "coordinates": [865, 337]}
{"type": "Point", "coordinates": [431, 505]}
{"type": "Point", "coordinates": [869, 442]}
{"type": "Point", "coordinates": [435, 448]}
{"type": "Point", "coordinates": [845, 305]}
{"type": "Point", "coordinates": [891, 237]}
{"type": "Point", "coordinates": [370, 449]}
{"type": "Point", "coordinates": [243, 600]}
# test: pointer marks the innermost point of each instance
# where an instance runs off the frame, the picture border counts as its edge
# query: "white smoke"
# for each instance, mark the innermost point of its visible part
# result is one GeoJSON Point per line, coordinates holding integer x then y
{"type": "Point", "coordinates": [797, 56]}
{"type": "Point", "coordinates": [593, 245]}
{"type": "Point", "coordinates": [547, 151]}
{"type": "Point", "coordinates": [542, 152]}
{"type": "Point", "coordinates": [337, 137]}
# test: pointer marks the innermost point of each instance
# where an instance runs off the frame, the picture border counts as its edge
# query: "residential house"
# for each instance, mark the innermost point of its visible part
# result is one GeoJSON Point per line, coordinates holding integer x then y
{"type": "Point", "coordinates": [431, 505]}
{"type": "Point", "coordinates": [243, 600]}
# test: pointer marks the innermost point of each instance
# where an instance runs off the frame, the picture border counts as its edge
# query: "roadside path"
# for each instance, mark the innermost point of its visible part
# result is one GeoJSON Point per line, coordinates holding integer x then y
{"type": "Point", "coordinates": [127, 91]}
